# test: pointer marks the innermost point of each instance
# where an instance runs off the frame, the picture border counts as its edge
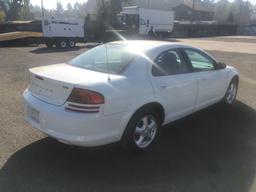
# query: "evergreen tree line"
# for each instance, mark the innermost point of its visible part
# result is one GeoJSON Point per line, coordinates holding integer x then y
{"type": "Point", "coordinates": [225, 11]}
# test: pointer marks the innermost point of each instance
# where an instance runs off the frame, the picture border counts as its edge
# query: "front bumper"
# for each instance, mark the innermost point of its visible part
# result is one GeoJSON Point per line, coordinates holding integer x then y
{"type": "Point", "coordinates": [72, 128]}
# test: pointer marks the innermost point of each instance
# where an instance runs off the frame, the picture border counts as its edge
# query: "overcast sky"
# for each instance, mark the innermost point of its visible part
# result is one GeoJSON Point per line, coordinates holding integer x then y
{"type": "Point", "coordinates": [51, 4]}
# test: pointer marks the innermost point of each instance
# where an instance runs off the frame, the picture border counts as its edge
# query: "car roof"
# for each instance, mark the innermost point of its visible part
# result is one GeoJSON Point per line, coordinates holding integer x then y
{"type": "Point", "coordinates": [149, 45]}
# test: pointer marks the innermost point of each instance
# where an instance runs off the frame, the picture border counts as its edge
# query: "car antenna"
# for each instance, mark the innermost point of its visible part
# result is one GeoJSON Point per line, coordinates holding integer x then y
{"type": "Point", "coordinates": [106, 51]}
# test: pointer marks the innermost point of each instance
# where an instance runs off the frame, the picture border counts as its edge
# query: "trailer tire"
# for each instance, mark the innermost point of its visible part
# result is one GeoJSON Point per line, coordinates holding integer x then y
{"type": "Point", "coordinates": [71, 43]}
{"type": "Point", "coordinates": [62, 44]}
{"type": "Point", "coordinates": [49, 44]}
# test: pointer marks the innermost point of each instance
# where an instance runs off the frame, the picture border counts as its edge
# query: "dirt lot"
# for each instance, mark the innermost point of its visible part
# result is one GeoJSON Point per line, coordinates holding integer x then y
{"type": "Point", "coordinates": [212, 150]}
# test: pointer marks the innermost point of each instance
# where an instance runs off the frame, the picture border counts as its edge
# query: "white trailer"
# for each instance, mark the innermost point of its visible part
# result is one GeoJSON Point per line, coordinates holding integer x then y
{"type": "Point", "coordinates": [63, 32]}
{"type": "Point", "coordinates": [145, 20]}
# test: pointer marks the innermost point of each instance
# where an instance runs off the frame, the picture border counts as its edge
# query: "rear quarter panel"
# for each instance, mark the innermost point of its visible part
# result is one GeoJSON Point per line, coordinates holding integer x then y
{"type": "Point", "coordinates": [131, 91]}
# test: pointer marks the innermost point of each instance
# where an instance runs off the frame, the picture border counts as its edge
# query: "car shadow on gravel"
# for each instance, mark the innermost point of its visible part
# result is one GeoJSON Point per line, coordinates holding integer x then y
{"type": "Point", "coordinates": [212, 150]}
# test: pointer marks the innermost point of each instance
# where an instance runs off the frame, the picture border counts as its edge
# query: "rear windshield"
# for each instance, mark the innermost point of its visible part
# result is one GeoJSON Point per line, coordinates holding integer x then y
{"type": "Point", "coordinates": [110, 58]}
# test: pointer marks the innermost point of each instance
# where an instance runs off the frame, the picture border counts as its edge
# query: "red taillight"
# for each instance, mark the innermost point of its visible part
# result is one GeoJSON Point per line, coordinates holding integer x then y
{"type": "Point", "coordinates": [83, 96]}
{"type": "Point", "coordinates": [83, 100]}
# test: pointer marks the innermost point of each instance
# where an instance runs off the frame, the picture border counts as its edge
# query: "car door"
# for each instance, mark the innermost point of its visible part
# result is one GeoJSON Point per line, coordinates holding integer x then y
{"type": "Point", "coordinates": [174, 84]}
{"type": "Point", "coordinates": [143, 27]}
{"type": "Point", "coordinates": [211, 81]}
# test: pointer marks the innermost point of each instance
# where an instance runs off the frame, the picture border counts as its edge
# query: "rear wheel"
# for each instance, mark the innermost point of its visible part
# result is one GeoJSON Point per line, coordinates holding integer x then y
{"type": "Point", "coordinates": [71, 43]}
{"type": "Point", "coordinates": [141, 131]}
{"type": "Point", "coordinates": [231, 93]}
{"type": "Point", "coordinates": [62, 44]}
{"type": "Point", "coordinates": [49, 44]}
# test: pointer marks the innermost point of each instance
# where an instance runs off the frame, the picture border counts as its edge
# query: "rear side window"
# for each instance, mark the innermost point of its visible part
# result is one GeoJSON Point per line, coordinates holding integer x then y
{"type": "Point", "coordinates": [199, 60]}
{"type": "Point", "coordinates": [105, 58]}
{"type": "Point", "coordinates": [170, 62]}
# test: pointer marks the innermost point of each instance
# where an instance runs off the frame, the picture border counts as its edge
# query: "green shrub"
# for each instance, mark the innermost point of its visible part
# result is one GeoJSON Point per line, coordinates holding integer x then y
{"type": "Point", "coordinates": [2, 17]}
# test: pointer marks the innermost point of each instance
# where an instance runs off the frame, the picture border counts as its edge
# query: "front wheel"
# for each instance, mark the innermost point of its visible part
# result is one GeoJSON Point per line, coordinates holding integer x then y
{"type": "Point", "coordinates": [141, 131]}
{"type": "Point", "coordinates": [231, 93]}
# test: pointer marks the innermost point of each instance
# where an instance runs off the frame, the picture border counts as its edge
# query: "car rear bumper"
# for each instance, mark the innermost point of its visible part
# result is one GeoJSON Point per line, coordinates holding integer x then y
{"type": "Point", "coordinates": [74, 128]}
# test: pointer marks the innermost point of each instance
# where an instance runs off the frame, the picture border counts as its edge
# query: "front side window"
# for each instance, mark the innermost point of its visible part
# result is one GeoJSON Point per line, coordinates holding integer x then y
{"type": "Point", "coordinates": [199, 60]}
{"type": "Point", "coordinates": [169, 62]}
{"type": "Point", "coordinates": [105, 58]}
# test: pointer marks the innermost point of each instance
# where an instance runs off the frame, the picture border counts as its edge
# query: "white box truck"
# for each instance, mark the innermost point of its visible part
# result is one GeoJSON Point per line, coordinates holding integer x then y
{"type": "Point", "coordinates": [63, 32]}
{"type": "Point", "coordinates": [144, 20]}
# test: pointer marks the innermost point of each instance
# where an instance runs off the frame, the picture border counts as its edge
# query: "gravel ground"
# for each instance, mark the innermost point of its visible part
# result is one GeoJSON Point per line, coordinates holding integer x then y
{"type": "Point", "coordinates": [212, 150]}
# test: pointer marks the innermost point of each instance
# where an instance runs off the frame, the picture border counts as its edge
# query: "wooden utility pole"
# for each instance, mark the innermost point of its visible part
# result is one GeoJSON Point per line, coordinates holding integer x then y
{"type": "Point", "coordinates": [240, 13]}
{"type": "Point", "coordinates": [193, 15]}
{"type": "Point", "coordinates": [42, 7]}
{"type": "Point", "coordinates": [149, 4]}
{"type": "Point", "coordinates": [192, 18]}
{"type": "Point", "coordinates": [192, 12]}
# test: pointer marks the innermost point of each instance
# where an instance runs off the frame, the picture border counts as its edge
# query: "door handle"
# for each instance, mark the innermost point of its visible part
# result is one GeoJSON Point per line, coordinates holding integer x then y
{"type": "Point", "coordinates": [163, 86]}
{"type": "Point", "coordinates": [203, 79]}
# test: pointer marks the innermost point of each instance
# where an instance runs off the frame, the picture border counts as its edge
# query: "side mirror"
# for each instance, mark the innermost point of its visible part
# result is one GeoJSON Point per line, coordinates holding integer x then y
{"type": "Point", "coordinates": [220, 65]}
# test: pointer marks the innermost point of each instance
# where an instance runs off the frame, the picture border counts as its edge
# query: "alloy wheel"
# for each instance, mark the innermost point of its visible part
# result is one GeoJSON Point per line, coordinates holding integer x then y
{"type": "Point", "coordinates": [145, 131]}
{"type": "Point", "coordinates": [231, 93]}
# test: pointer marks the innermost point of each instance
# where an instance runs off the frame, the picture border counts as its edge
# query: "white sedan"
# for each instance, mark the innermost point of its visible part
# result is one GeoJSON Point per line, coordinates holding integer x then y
{"type": "Point", "coordinates": [125, 91]}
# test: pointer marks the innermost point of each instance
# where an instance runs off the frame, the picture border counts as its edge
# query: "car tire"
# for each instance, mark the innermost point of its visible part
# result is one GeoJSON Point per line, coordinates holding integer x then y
{"type": "Point", "coordinates": [231, 92]}
{"type": "Point", "coordinates": [142, 130]}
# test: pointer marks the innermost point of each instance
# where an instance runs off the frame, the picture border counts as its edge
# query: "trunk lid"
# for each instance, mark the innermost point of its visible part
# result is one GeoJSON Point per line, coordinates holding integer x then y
{"type": "Point", "coordinates": [53, 84]}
